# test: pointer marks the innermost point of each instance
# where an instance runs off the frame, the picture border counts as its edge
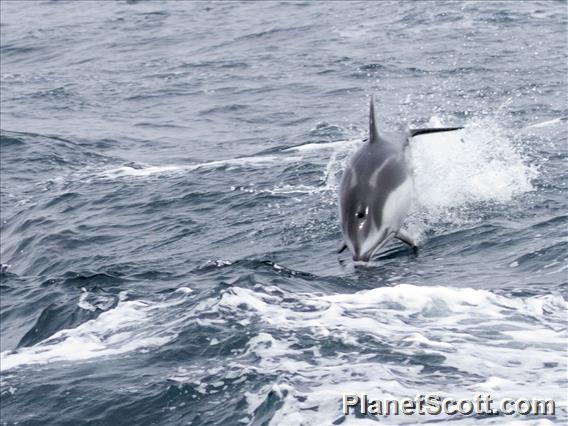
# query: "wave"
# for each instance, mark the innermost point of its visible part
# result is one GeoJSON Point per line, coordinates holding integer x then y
{"type": "Point", "coordinates": [148, 170]}
{"type": "Point", "coordinates": [312, 348]}
{"type": "Point", "coordinates": [337, 145]}
{"type": "Point", "coordinates": [130, 326]}
{"type": "Point", "coordinates": [393, 342]}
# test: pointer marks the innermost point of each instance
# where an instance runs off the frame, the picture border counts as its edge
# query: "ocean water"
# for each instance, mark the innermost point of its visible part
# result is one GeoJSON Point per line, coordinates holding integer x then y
{"type": "Point", "coordinates": [169, 225]}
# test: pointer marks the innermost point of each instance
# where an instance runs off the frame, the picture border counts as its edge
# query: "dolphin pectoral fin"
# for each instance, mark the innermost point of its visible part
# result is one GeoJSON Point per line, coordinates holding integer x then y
{"type": "Point", "coordinates": [417, 132]}
{"type": "Point", "coordinates": [405, 237]}
{"type": "Point", "coordinates": [342, 248]}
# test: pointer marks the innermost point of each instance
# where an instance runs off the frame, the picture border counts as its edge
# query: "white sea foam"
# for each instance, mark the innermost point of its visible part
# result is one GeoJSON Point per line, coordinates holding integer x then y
{"type": "Point", "coordinates": [384, 335]}
{"type": "Point", "coordinates": [148, 170]}
{"type": "Point", "coordinates": [130, 326]}
{"type": "Point", "coordinates": [91, 302]}
{"type": "Point", "coordinates": [373, 341]}
{"type": "Point", "coordinates": [310, 147]}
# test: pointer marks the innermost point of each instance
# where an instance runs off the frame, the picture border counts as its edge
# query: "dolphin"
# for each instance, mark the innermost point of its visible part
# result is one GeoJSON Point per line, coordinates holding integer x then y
{"type": "Point", "coordinates": [376, 188]}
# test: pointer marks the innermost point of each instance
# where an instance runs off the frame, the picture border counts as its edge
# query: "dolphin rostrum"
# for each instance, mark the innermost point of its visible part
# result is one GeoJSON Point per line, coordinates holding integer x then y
{"type": "Point", "coordinates": [376, 190]}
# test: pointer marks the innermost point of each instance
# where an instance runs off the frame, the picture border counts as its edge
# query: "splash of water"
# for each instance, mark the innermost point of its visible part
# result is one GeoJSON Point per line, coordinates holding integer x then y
{"type": "Point", "coordinates": [476, 164]}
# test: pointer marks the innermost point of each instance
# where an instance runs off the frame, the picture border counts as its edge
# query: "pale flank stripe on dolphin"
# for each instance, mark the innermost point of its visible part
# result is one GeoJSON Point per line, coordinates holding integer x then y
{"type": "Point", "coordinates": [374, 177]}
{"type": "Point", "coordinates": [353, 180]}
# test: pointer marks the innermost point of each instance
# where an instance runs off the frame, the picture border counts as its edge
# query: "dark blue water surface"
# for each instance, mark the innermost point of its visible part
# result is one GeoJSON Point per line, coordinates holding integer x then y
{"type": "Point", "coordinates": [169, 223]}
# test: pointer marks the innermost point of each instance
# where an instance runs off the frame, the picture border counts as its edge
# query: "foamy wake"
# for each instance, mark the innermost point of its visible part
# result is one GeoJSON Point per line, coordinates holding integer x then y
{"type": "Point", "coordinates": [405, 322]}
{"type": "Point", "coordinates": [144, 170]}
{"type": "Point", "coordinates": [314, 348]}
{"type": "Point", "coordinates": [130, 326]}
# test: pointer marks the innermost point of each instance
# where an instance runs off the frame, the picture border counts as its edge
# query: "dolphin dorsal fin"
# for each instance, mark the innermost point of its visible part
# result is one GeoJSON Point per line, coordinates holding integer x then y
{"type": "Point", "coordinates": [373, 133]}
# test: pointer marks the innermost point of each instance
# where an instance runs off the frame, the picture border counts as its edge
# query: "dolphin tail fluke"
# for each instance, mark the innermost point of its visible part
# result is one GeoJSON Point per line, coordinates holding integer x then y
{"type": "Point", "coordinates": [417, 132]}
{"type": "Point", "coordinates": [373, 133]}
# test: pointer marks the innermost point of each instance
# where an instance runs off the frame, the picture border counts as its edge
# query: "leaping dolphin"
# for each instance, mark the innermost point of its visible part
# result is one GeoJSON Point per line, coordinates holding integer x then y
{"type": "Point", "coordinates": [376, 190]}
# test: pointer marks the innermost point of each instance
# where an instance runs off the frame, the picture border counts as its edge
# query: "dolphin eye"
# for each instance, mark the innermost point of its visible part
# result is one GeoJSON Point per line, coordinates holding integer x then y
{"type": "Point", "coordinates": [360, 215]}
